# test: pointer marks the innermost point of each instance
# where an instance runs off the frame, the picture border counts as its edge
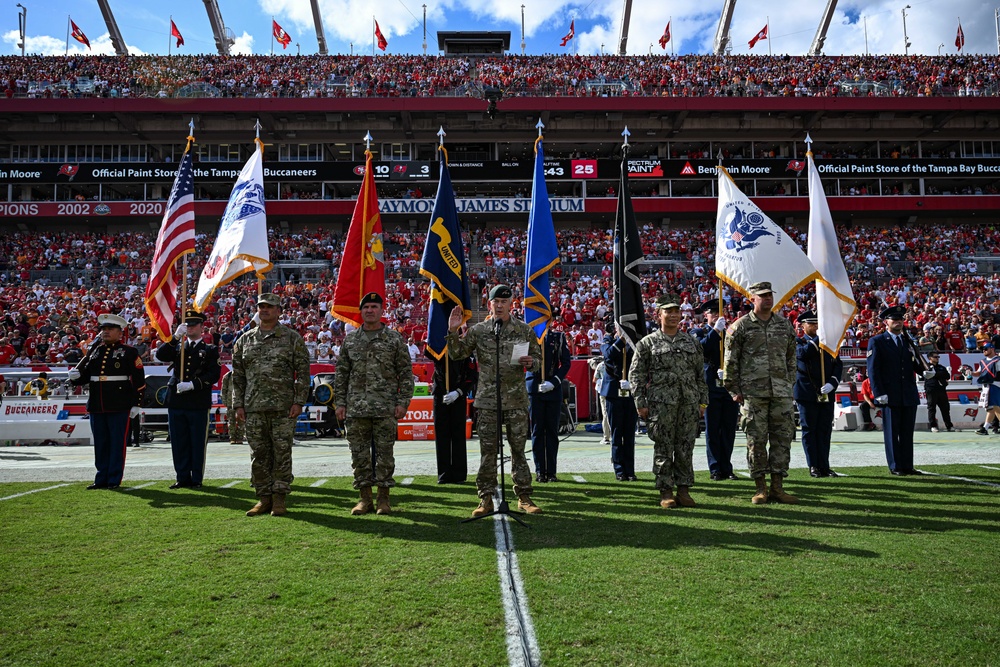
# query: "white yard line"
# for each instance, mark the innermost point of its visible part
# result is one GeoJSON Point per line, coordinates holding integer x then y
{"type": "Point", "coordinates": [578, 478]}
{"type": "Point", "coordinates": [522, 645]}
{"type": "Point", "coordinates": [961, 479]}
{"type": "Point", "coordinates": [990, 467]}
{"type": "Point", "coordinates": [141, 486]}
{"type": "Point", "coordinates": [407, 481]}
{"type": "Point", "coordinates": [47, 488]}
{"type": "Point", "coordinates": [744, 474]}
{"type": "Point", "coordinates": [231, 484]}
{"type": "Point", "coordinates": [318, 482]}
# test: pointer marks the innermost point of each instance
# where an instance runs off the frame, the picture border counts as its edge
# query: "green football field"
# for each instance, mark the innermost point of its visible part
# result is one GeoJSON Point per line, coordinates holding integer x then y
{"type": "Point", "coordinates": [867, 570]}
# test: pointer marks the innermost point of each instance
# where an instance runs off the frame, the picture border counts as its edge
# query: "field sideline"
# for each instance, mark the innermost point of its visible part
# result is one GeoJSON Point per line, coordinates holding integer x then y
{"type": "Point", "coordinates": [868, 569]}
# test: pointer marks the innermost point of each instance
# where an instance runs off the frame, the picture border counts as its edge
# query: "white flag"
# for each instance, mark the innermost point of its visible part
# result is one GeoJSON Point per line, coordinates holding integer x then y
{"type": "Point", "coordinates": [835, 304]}
{"type": "Point", "coordinates": [241, 245]}
{"type": "Point", "coordinates": [750, 248]}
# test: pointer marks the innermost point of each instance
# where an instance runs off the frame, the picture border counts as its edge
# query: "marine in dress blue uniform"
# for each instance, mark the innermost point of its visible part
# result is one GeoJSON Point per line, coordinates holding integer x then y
{"type": "Point", "coordinates": [815, 379]}
{"type": "Point", "coordinates": [723, 413]}
{"type": "Point", "coordinates": [622, 414]}
{"type": "Point", "coordinates": [451, 408]}
{"type": "Point", "coordinates": [545, 394]}
{"type": "Point", "coordinates": [116, 379]}
{"type": "Point", "coordinates": [189, 397]}
{"type": "Point", "coordinates": [892, 368]}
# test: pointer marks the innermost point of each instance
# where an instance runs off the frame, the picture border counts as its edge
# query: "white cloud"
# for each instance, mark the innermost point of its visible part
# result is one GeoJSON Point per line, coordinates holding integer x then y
{"type": "Point", "coordinates": [53, 46]}
{"type": "Point", "coordinates": [243, 45]}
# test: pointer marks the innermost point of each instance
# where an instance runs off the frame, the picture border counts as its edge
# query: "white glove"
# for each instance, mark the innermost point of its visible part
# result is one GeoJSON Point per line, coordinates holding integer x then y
{"type": "Point", "coordinates": [134, 412]}
{"type": "Point", "coordinates": [720, 324]}
{"type": "Point", "coordinates": [451, 397]}
{"type": "Point", "coordinates": [624, 385]}
{"type": "Point", "coordinates": [928, 374]}
{"type": "Point", "coordinates": [719, 373]}
{"type": "Point", "coordinates": [545, 387]}
{"type": "Point", "coordinates": [74, 374]}
{"type": "Point", "coordinates": [882, 400]}
{"type": "Point", "coordinates": [180, 331]}
{"type": "Point", "coordinates": [826, 389]}
{"type": "Point", "coordinates": [184, 386]}
{"type": "Point", "coordinates": [255, 319]}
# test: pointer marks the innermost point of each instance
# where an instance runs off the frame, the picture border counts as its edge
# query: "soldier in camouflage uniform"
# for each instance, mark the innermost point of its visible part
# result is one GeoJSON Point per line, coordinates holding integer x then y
{"type": "Point", "coordinates": [270, 386]}
{"type": "Point", "coordinates": [234, 425]}
{"type": "Point", "coordinates": [760, 374]}
{"type": "Point", "coordinates": [670, 392]}
{"type": "Point", "coordinates": [371, 391]}
{"type": "Point", "coordinates": [480, 340]}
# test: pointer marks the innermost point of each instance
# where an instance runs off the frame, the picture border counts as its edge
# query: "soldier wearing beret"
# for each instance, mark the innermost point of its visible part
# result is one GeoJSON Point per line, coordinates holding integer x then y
{"type": "Point", "coordinates": [116, 379]}
{"type": "Point", "coordinates": [816, 383]}
{"type": "Point", "coordinates": [189, 397]}
{"type": "Point", "coordinates": [371, 391]}
{"type": "Point", "coordinates": [760, 372]}
{"type": "Point", "coordinates": [671, 394]}
{"type": "Point", "coordinates": [270, 386]}
{"type": "Point", "coordinates": [482, 340]}
{"type": "Point", "coordinates": [723, 412]}
{"type": "Point", "coordinates": [892, 368]}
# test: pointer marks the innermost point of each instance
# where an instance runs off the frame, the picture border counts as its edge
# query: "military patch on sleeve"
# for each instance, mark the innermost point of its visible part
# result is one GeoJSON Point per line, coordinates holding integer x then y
{"type": "Point", "coordinates": [870, 351]}
{"type": "Point", "coordinates": [138, 362]}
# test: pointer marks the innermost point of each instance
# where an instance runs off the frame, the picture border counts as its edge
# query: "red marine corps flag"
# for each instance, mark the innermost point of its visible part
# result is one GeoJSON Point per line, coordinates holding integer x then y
{"type": "Point", "coordinates": [665, 38]}
{"type": "Point", "coordinates": [960, 38]}
{"type": "Point", "coordinates": [174, 32]}
{"type": "Point", "coordinates": [280, 35]}
{"type": "Point", "coordinates": [759, 36]}
{"type": "Point", "coordinates": [78, 35]}
{"type": "Point", "coordinates": [383, 43]}
{"type": "Point", "coordinates": [569, 35]}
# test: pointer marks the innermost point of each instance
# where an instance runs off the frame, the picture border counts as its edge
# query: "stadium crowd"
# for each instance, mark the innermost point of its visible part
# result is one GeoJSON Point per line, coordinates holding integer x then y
{"type": "Point", "coordinates": [558, 75]}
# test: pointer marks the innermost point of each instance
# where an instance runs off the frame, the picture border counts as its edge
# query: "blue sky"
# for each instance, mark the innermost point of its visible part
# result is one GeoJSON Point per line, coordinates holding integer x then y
{"type": "Point", "coordinates": [858, 27]}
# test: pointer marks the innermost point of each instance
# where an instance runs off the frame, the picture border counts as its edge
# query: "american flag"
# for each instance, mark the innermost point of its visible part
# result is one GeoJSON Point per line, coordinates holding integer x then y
{"type": "Point", "coordinates": [176, 239]}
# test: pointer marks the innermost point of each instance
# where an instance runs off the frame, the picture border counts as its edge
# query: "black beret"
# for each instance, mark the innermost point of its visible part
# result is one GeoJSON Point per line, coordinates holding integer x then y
{"type": "Point", "coordinates": [371, 297]}
{"type": "Point", "coordinates": [501, 292]}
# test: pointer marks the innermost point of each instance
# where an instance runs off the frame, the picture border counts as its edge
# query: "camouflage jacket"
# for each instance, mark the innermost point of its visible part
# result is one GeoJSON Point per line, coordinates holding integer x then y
{"type": "Point", "coordinates": [374, 375]}
{"type": "Point", "coordinates": [270, 370]}
{"type": "Point", "coordinates": [226, 391]}
{"type": "Point", "coordinates": [479, 340]}
{"type": "Point", "coordinates": [665, 371]}
{"type": "Point", "coordinates": [760, 357]}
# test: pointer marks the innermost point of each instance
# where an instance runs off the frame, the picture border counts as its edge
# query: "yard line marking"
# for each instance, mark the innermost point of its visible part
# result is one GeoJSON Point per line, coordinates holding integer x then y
{"type": "Point", "coordinates": [962, 479]}
{"type": "Point", "coordinates": [522, 645]}
{"type": "Point", "coordinates": [579, 478]}
{"type": "Point", "coordinates": [407, 481]}
{"type": "Point", "coordinates": [24, 493]}
{"type": "Point", "coordinates": [230, 484]}
{"type": "Point", "coordinates": [318, 482]}
{"type": "Point", "coordinates": [989, 467]}
{"type": "Point", "coordinates": [745, 474]}
{"type": "Point", "coordinates": [141, 486]}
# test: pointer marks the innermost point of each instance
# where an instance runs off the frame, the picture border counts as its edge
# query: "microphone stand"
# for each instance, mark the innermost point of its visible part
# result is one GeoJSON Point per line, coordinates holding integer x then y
{"type": "Point", "coordinates": [503, 507]}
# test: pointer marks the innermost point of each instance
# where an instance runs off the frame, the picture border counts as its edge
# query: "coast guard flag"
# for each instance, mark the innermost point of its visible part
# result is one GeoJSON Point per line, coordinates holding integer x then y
{"type": "Point", "coordinates": [835, 304]}
{"type": "Point", "coordinates": [241, 245]}
{"type": "Point", "coordinates": [750, 248]}
{"type": "Point", "coordinates": [443, 264]}
{"type": "Point", "coordinates": [542, 253]}
{"type": "Point", "coordinates": [628, 259]}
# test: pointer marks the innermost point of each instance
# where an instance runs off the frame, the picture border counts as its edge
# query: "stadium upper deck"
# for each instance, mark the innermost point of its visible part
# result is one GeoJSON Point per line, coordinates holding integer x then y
{"type": "Point", "coordinates": [917, 137]}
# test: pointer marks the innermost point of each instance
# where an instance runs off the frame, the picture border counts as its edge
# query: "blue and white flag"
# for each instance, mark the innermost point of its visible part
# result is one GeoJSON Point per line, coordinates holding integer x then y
{"type": "Point", "coordinates": [241, 245]}
{"type": "Point", "coordinates": [543, 253]}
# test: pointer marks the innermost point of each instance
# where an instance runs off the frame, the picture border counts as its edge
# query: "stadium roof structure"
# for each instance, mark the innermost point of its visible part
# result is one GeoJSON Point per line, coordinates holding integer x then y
{"type": "Point", "coordinates": [471, 43]}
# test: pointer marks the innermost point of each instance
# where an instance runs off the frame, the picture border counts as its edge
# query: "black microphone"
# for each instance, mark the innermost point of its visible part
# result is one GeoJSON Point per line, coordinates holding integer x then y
{"type": "Point", "coordinates": [497, 324]}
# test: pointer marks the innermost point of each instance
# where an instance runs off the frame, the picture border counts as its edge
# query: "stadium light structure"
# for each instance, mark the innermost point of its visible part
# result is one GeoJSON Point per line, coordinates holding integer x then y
{"type": "Point", "coordinates": [906, 38]}
{"type": "Point", "coordinates": [22, 25]}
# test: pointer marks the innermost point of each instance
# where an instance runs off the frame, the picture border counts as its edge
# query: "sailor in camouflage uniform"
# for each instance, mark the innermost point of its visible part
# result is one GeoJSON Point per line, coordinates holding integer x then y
{"type": "Point", "coordinates": [760, 373]}
{"type": "Point", "coordinates": [371, 391]}
{"type": "Point", "coordinates": [481, 340]}
{"type": "Point", "coordinates": [116, 379]}
{"type": "Point", "coordinates": [270, 386]}
{"type": "Point", "coordinates": [670, 392]}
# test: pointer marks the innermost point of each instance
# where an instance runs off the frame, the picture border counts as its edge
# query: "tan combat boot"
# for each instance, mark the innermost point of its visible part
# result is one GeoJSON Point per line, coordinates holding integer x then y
{"type": "Point", "coordinates": [760, 497]}
{"type": "Point", "coordinates": [263, 506]}
{"type": "Point", "coordinates": [778, 493]}
{"type": "Point", "coordinates": [525, 504]}
{"type": "Point", "coordinates": [278, 506]}
{"type": "Point", "coordinates": [364, 505]}
{"type": "Point", "coordinates": [382, 501]}
{"type": "Point", "coordinates": [485, 507]}
{"type": "Point", "coordinates": [667, 501]}
{"type": "Point", "coordinates": [684, 498]}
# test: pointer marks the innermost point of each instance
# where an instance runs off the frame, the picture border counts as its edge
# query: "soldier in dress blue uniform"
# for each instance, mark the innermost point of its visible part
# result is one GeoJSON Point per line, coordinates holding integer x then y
{"type": "Point", "coordinates": [451, 409]}
{"type": "Point", "coordinates": [723, 412]}
{"type": "Point", "coordinates": [189, 397]}
{"type": "Point", "coordinates": [116, 381]}
{"type": "Point", "coordinates": [545, 404]}
{"type": "Point", "coordinates": [892, 368]}
{"type": "Point", "coordinates": [622, 414]}
{"type": "Point", "coordinates": [814, 391]}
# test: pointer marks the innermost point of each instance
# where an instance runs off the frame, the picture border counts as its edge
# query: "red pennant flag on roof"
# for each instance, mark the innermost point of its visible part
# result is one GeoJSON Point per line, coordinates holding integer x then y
{"type": "Point", "coordinates": [174, 32]}
{"type": "Point", "coordinates": [383, 43]}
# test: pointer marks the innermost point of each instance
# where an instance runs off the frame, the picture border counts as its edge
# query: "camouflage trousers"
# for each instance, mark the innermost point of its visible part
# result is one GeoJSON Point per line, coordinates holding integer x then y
{"type": "Point", "coordinates": [516, 423]}
{"type": "Point", "coordinates": [768, 419]}
{"type": "Point", "coordinates": [673, 429]}
{"type": "Point", "coordinates": [235, 427]}
{"type": "Point", "coordinates": [270, 437]}
{"type": "Point", "coordinates": [365, 434]}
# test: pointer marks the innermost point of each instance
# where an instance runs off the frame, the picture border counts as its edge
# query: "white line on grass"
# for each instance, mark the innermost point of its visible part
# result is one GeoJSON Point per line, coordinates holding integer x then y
{"type": "Point", "coordinates": [141, 486]}
{"type": "Point", "coordinates": [47, 488]}
{"type": "Point", "coordinates": [961, 479]}
{"type": "Point", "coordinates": [318, 482]}
{"type": "Point", "coordinates": [407, 481]}
{"type": "Point", "coordinates": [522, 645]}
{"type": "Point", "coordinates": [579, 478]}
{"type": "Point", "coordinates": [744, 474]}
{"type": "Point", "coordinates": [230, 484]}
{"type": "Point", "coordinates": [989, 467]}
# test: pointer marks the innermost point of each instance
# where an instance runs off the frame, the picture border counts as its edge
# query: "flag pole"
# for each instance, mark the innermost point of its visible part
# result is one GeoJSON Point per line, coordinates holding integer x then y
{"type": "Point", "coordinates": [768, 35]}
{"type": "Point", "coordinates": [540, 127]}
{"type": "Point", "coordinates": [184, 262]}
{"type": "Point", "coordinates": [69, 19]}
{"type": "Point", "coordinates": [272, 34]}
{"type": "Point", "coordinates": [170, 36]}
{"type": "Point", "coordinates": [823, 398]}
{"type": "Point", "coordinates": [669, 22]}
{"type": "Point", "coordinates": [621, 184]}
{"type": "Point", "coordinates": [447, 367]}
{"type": "Point", "coordinates": [260, 146]}
{"type": "Point", "coordinates": [373, 37]}
{"type": "Point", "coordinates": [722, 350]}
